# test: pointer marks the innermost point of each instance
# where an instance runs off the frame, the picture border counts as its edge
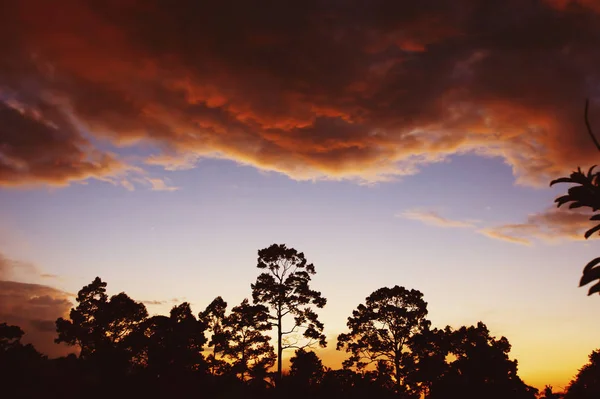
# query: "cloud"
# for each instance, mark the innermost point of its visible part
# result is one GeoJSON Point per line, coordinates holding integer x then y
{"type": "Point", "coordinates": [550, 226]}
{"type": "Point", "coordinates": [151, 302]}
{"type": "Point", "coordinates": [433, 218]}
{"type": "Point", "coordinates": [33, 307]}
{"type": "Point", "coordinates": [160, 185]}
{"type": "Point", "coordinates": [10, 268]}
{"type": "Point", "coordinates": [38, 145]}
{"type": "Point", "coordinates": [368, 91]}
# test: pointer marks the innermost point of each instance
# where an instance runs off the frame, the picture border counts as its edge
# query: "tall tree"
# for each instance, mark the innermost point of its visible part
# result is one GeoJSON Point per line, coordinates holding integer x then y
{"type": "Point", "coordinates": [284, 288]}
{"type": "Point", "coordinates": [99, 323]}
{"type": "Point", "coordinates": [381, 331]}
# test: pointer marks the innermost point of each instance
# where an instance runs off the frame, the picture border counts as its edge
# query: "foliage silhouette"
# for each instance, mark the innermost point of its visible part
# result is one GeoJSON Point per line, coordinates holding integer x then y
{"type": "Point", "coordinates": [586, 384]}
{"type": "Point", "coordinates": [381, 331]}
{"type": "Point", "coordinates": [214, 318]}
{"type": "Point", "coordinates": [548, 393]}
{"type": "Point", "coordinates": [481, 369]}
{"type": "Point", "coordinates": [97, 323]}
{"type": "Point", "coordinates": [586, 194]}
{"type": "Point", "coordinates": [285, 289]}
{"type": "Point", "coordinates": [247, 347]}
{"type": "Point", "coordinates": [171, 345]}
{"type": "Point", "coordinates": [393, 354]}
{"type": "Point", "coordinates": [306, 369]}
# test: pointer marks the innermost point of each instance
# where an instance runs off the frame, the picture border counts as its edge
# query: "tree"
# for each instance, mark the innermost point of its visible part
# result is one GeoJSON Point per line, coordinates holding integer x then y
{"type": "Point", "coordinates": [19, 364]}
{"type": "Point", "coordinates": [549, 394]}
{"type": "Point", "coordinates": [99, 324]}
{"type": "Point", "coordinates": [481, 369]}
{"type": "Point", "coordinates": [381, 331]}
{"type": "Point", "coordinates": [10, 337]}
{"type": "Point", "coordinates": [285, 289]}
{"type": "Point", "coordinates": [586, 385]}
{"type": "Point", "coordinates": [306, 368]}
{"type": "Point", "coordinates": [173, 345]}
{"type": "Point", "coordinates": [430, 349]}
{"type": "Point", "coordinates": [214, 319]}
{"type": "Point", "coordinates": [247, 347]}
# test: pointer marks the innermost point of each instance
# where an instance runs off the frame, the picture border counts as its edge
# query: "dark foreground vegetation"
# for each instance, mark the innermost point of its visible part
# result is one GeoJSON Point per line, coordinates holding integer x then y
{"type": "Point", "coordinates": [221, 352]}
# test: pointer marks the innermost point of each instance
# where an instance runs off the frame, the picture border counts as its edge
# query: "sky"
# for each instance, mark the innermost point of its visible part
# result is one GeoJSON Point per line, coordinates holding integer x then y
{"type": "Point", "coordinates": [159, 145]}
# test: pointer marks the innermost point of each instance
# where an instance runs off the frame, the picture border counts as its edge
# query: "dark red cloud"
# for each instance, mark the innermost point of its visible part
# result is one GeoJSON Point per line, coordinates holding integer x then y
{"type": "Point", "coordinates": [312, 89]}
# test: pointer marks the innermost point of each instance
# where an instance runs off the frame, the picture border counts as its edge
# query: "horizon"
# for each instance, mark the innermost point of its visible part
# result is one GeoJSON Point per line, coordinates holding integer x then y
{"type": "Point", "coordinates": [391, 144]}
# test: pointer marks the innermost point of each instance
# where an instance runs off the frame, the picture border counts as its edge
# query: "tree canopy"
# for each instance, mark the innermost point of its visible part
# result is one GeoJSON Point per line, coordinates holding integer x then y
{"type": "Point", "coordinates": [284, 288]}
{"type": "Point", "coordinates": [381, 331]}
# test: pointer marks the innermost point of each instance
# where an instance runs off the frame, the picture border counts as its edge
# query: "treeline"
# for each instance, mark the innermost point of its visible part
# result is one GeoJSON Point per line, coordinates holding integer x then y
{"type": "Point", "coordinates": [227, 352]}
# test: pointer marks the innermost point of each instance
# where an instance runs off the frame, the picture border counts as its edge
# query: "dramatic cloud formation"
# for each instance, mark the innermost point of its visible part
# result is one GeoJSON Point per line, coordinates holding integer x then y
{"type": "Point", "coordinates": [550, 226]}
{"type": "Point", "coordinates": [434, 219]}
{"type": "Point", "coordinates": [312, 89]}
{"type": "Point", "coordinates": [33, 307]}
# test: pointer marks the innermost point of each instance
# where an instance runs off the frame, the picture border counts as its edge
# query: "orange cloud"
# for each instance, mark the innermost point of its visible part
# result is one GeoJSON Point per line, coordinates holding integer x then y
{"type": "Point", "coordinates": [549, 226]}
{"type": "Point", "coordinates": [434, 219]}
{"type": "Point", "coordinates": [365, 91]}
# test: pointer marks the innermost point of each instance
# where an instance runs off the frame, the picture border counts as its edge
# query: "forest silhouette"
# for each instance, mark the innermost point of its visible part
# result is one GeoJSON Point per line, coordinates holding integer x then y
{"type": "Point", "coordinates": [222, 352]}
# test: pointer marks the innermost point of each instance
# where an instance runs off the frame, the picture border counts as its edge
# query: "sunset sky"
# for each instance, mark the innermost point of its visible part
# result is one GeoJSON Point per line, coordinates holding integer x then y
{"type": "Point", "coordinates": [160, 144]}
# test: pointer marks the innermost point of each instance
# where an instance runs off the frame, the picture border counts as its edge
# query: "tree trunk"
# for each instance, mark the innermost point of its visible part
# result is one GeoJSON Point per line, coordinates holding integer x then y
{"type": "Point", "coordinates": [279, 348]}
{"type": "Point", "coordinates": [397, 369]}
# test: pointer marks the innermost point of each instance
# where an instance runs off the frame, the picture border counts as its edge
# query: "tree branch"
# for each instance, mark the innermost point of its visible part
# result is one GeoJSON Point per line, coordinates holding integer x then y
{"type": "Point", "coordinates": [589, 127]}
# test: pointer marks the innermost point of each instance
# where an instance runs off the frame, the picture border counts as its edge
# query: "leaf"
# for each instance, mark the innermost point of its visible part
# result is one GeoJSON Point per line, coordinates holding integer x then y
{"type": "Point", "coordinates": [592, 231]}
{"type": "Point", "coordinates": [575, 205]}
{"type": "Point", "coordinates": [589, 276]}
{"type": "Point", "coordinates": [562, 200]}
{"type": "Point", "coordinates": [561, 180]}
{"type": "Point", "coordinates": [590, 170]}
{"type": "Point", "coordinates": [595, 288]}
{"type": "Point", "coordinates": [595, 217]}
{"type": "Point", "coordinates": [590, 265]}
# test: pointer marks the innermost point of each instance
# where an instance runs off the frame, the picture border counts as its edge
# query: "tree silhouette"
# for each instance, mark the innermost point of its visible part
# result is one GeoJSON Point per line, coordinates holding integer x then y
{"type": "Point", "coordinates": [172, 345]}
{"type": "Point", "coordinates": [430, 349]}
{"type": "Point", "coordinates": [306, 368]}
{"type": "Point", "coordinates": [10, 336]}
{"type": "Point", "coordinates": [247, 347]}
{"type": "Point", "coordinates": [586, 384]}
{"type": "Point", "coordinates": [481, 369]}
{"type": "Point", "coordinates": [19, 364]}
{"type": "Point", "coordinates": [381, 331]}
{"type": "Point", "coordinates": [285, 289]}
{"type": "Point", "coordinates": [549, 394]}
{"type": "Point", "coordinates": [214, 319]}
{"type": "Point", "coordinates": [98, 324]}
